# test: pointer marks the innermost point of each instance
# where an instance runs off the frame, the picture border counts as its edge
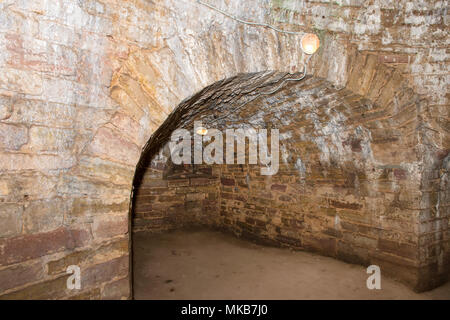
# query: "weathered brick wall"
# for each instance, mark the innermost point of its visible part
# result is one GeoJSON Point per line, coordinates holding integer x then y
{"type": "Point", "coordinates": [85, 83]}
{"type": "Point", "coordinates": [434, 231]}
{"type": "Point", "coordinates": [60, 203]}
{"type": "Point", "coordinates": [410, 35]}
{"type": "Point", "coordinates": [339, 212]}
{"type": "Point", "coordinates": [174, 196]}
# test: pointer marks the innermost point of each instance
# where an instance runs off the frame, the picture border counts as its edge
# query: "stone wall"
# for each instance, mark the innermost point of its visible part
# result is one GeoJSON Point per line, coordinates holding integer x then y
{"type": "Point", "coordinates": [175, 196]}
{"type": "Point", "coordinates": [349, 185]}
{"type": "Point", "coordinates": [85, 83]}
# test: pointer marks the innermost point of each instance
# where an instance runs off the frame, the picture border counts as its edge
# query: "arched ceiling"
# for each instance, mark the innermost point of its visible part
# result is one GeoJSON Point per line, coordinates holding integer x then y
{"type": "Point", "coordinates": [317, 121]}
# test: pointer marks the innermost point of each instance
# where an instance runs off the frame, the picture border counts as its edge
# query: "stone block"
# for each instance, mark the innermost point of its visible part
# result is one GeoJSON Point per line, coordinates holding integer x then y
{"type": "Point", "coordinates": [26, 247]}
{"type": "Point", "coordinates": [26, 82]}
{"type": "Point", "coordinates": [227, 182]}
{"type": "Point", "coordinates": [87, 257]}
{"type": "Point", "coordinates": [41, 162]}
{"type": "Point", "coordinates": [37, 112]}
{"type": "Point", "coordinates": [108, 226]}
{"type": "Point", "coordinates": [404, 250]}
{"type": "Point", "coordinates": [104, 272]}
{"type": "Point", "coordinates": [47, 289]}
{"type": "Point", "coordinates": [19, 275]}
{"type": "Point", "coordinates": [278, 187]}
{"type": "Point", "coordinates": [88, 207]}
{"type": "Point", "coordinates": [51, 139]}
{"type": "Point", "coordinates": [13, 137]}
{"type": "Point", "coordinates": [11, 217]}
{"type": "Point", "coordinates": [6, 107]}
{"type": "Point", "coordinates": [105, 170]}
{"type": "Point", "coordinates": [93, 294]}
{"type": "Point", "coordinates": [110, 144]}
{"type": "Point", "coordinates": [117, 290]}
{"type": "Point", "coordinates": [44, 215]}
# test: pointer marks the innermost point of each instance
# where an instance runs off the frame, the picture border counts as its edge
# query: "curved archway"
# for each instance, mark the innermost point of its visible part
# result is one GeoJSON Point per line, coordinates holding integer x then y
{"type": "Point", "coordinates": [342, 137]}
{"type": "Point", "coordinates": [78, 103]}
{"type": "Point", "coordinates": [394, 113]}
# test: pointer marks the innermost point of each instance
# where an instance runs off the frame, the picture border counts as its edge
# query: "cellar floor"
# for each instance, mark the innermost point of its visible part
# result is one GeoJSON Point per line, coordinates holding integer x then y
{"type": "Point", "coordinates": [201, 264]}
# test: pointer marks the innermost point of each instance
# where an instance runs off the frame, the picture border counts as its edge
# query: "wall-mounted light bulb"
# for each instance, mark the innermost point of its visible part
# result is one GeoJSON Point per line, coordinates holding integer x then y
{"type": "Point", "coordinates": [310, 43]}
{"type": "Point", "coordinates": [202, 131]}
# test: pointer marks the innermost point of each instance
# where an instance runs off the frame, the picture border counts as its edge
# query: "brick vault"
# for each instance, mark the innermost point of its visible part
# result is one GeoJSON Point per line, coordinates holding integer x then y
{"type": "Point", "coordinates": [90, 91]}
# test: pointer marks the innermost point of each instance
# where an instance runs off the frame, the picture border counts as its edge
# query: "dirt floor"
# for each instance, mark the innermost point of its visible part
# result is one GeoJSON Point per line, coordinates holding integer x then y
{"type": "Point", "coordinates": [212, 265]}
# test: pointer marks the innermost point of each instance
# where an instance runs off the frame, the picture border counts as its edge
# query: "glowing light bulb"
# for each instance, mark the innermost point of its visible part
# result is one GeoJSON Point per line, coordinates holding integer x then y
{"type": "Point", "coordinates": [202, 131]}
{"type": "Point", "coordinates": [310, 43]}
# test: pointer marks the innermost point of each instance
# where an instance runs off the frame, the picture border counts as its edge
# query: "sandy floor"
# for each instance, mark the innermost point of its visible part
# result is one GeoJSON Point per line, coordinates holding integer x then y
{"type": "Point", "coordinates": [212, 265]}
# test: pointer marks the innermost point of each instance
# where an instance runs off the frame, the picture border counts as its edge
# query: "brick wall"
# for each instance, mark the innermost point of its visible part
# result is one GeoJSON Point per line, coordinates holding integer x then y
{"type": "Point", "coordinates": [349, 184]}
{"type": "Point", "coordinates": [173, 196]}
{"type": "Point", "coordinates": [85, 83]}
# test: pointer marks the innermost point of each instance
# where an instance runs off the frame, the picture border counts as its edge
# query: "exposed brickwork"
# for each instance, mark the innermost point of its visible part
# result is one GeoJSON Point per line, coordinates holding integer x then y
{"type": "Point", "coordinates": [344, 195]}
{"type": "Point", "coordinates": [84, 84]}
{"type": "Point", "coordinates": [172, 196]}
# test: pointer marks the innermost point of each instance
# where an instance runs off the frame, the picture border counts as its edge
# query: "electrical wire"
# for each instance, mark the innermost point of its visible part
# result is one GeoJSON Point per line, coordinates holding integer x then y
{"type": "Point", "coordinates": [265, 25]}
{"type": "Point", "coordinates": [283, 82]}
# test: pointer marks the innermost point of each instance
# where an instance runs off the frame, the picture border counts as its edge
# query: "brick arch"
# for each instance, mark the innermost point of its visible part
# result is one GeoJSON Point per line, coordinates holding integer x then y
{"type": "Point", "coordinates": [147, 92]}
{"type": "Point", "coordinates": [150, 83]}
{"type": "Point", "coordinates": [387, 107]}
{"type": "Point", "coordinates": [75, 169]}
{"type": "Point", "coordinates": [146, 96]}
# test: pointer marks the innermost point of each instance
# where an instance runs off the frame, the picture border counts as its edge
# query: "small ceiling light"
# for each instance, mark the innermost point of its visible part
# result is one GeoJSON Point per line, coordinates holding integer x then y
{"type": "Point", "coordinates": [310, 43]}
{"type": "Point", "coordinates": [202, 131]}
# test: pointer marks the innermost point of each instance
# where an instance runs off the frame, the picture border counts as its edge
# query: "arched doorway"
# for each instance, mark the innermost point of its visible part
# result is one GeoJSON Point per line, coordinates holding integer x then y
{"type": "Point", "coordinates": [327, 195]}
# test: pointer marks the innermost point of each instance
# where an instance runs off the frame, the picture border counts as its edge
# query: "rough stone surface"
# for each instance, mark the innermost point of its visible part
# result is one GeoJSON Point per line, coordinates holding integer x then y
{"type": "Point", "coordinates": [85, 84]}
{"type": "Point", "coordinates": [340, 189]}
